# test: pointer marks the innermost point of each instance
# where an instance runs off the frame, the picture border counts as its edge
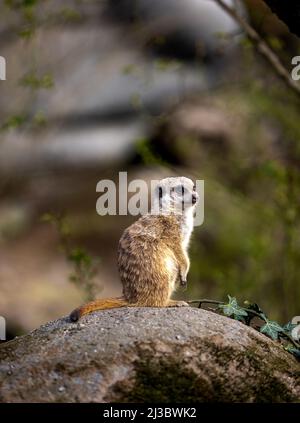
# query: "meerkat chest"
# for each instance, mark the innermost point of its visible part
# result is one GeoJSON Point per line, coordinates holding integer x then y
{"type": "Point", "coordinates": [187, 229]}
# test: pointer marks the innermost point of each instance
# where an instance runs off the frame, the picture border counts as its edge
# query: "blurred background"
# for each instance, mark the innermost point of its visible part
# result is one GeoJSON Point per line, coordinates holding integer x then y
{"type": "Point", "coordinates": [154, 88]}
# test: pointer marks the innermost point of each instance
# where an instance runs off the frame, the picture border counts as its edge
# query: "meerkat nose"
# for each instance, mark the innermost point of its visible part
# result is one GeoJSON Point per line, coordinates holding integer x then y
{"type": "Point", "coordinates": [195, 197]}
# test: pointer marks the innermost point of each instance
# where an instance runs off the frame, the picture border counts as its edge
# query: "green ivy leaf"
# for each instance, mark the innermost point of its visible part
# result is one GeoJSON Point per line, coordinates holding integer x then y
{"type": "Point", "coordinates": [271, 329]}
{"type": "Point", "coordinates": [232, 309]}
{"type": "Point", "coordinates": [289, 327]}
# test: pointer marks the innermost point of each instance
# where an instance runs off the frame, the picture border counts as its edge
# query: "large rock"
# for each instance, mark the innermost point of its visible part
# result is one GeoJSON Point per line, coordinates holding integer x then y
{"type": "Point", "coordinates": [147, 355]}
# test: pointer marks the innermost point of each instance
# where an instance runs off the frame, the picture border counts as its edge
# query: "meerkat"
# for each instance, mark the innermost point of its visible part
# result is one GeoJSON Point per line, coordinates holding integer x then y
{"type": "Point", "coordinates": [153, 252]}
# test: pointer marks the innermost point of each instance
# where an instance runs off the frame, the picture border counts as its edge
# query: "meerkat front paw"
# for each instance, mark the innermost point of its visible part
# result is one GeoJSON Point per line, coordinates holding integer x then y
{"type": "Point", "coordinates": [173, 303]}
{"type": "Point", "coordinates": [182, 280]}
{"type": "Point", "coordinates": [182, 304]}
{"type": "Point", "coordinates": [183, 284]}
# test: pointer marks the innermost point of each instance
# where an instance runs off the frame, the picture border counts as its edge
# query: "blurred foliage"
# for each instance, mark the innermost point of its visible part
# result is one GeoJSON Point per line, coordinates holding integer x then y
{"type": "Point", "coordinates": [35, 82]}
{"type": "Point", "coordinates": [147, 153]}
{"type": "Point", "coordinates": [26, 10]}
{"type": "Point", "coordinates": [14, 121]}
{"type": "Point", "coordinates": [164, 64]}
{"type": "Point", "coordinates": [16, 4]}
{"type": "Point", "coordinates": [37, 121]}
{"type": "Point", "coordinates": [85, 268]}
{"type": "Point", "coordinates": [32, 15]}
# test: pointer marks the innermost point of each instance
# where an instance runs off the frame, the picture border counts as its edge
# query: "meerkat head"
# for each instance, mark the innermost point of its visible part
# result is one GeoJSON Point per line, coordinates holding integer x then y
{"type": "Point", "coordinates": [176, 194]}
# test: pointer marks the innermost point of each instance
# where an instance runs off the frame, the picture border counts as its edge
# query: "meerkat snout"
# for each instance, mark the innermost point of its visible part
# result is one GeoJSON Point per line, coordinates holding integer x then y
{"type": "Point", "coordinates": [195, 198]}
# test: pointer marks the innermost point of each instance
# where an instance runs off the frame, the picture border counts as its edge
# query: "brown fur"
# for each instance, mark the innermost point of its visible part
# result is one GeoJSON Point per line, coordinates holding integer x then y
{"type": "Point", "coordinates": [152, 240]}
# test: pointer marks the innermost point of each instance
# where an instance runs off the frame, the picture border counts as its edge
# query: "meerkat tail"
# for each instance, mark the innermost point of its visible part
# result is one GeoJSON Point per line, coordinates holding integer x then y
{"type": "Point", "coordinates": [100, 304]}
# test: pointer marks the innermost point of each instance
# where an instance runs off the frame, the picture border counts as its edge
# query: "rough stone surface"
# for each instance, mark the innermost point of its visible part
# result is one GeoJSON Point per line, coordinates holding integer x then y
{"type": "Point", "coordinates": [147, 355]}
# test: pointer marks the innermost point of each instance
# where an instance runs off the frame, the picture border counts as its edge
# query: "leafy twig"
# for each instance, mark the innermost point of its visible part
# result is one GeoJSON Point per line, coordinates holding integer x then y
{"type": "Point", "coordinates": [204, 301]}
{"type": "Point", "coordinates": [262, 47]}
{"type": "Point", "coordinates": [246, 314]}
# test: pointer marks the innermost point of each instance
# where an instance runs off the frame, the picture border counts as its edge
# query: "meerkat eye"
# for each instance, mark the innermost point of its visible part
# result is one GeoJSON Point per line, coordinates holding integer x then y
{"type": "Point", "coordinates": [179, 189]}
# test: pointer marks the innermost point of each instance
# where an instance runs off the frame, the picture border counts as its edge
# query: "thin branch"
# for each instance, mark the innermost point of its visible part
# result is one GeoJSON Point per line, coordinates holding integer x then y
{"type": "Point", "coordinates": [262, 47]}
{"type": "Point", "coordinates": [204, 301]}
